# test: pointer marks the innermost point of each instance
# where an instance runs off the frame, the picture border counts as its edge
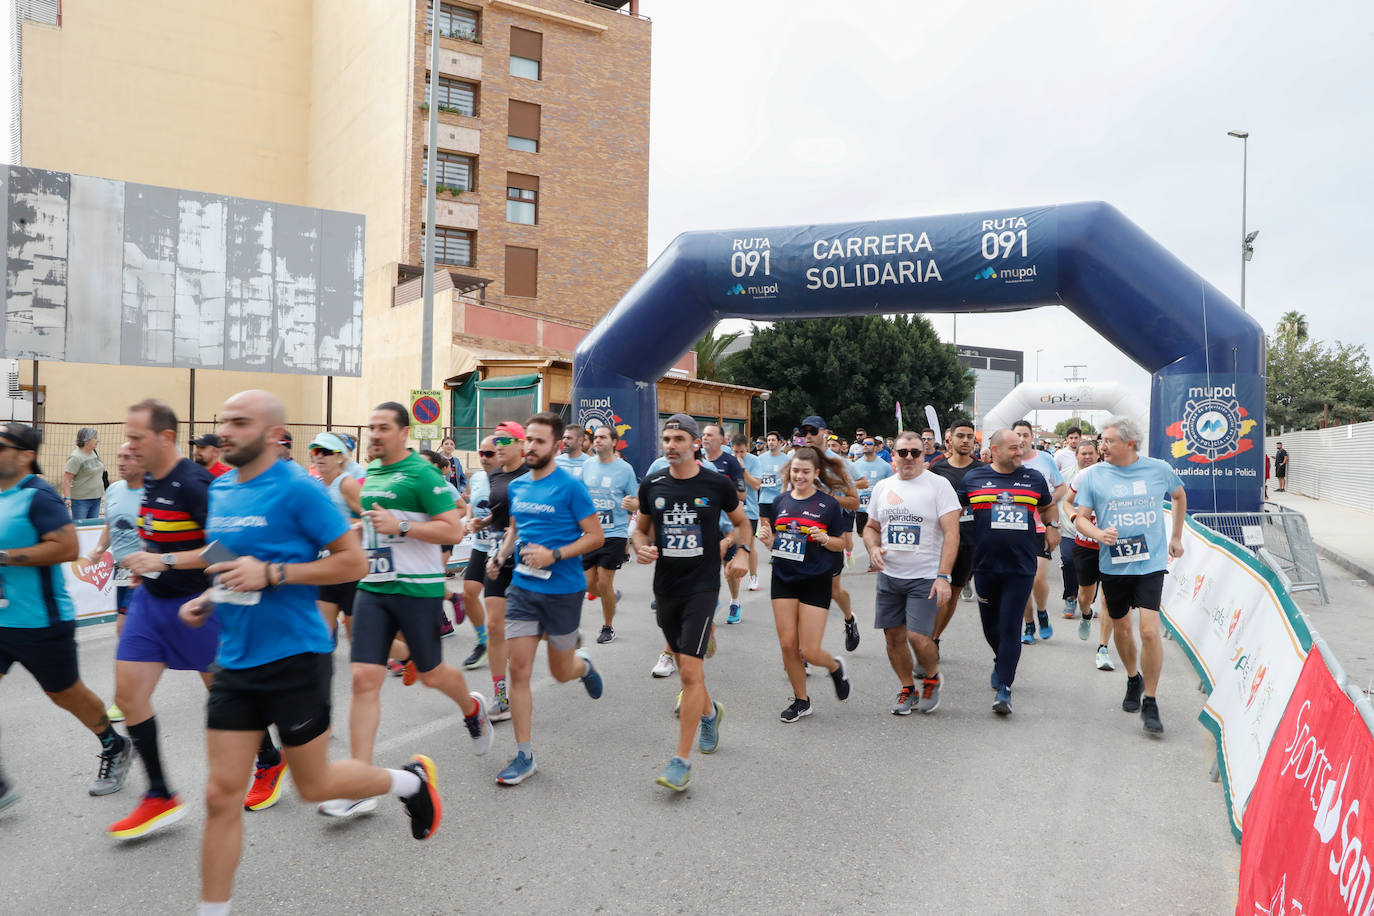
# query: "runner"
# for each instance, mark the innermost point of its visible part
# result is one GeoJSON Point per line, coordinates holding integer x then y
{"type": "Point", "coordinates": [807, 526]}
{"type": "Point", "coordinates": [1032, 457]}
{"type": "Point", "coordinates": [815, 434]}
{"type": "Point", "coordinates": [1085, 561]}
{"type": "Point", "coordinates": [957, 460]}
{"type": "Point", "coordinates": [329, 454]}
{"type": "Point", "coordinates": [855, 451]}
{"type": "Point", "coordinates": [479, 511]}
{"type": "Point", "coordinates": [37, 617]}
{"type": "Point", "coordinates": [769, 472]}
{"type": "Point", "coordinates": [509, 439]}
{"type": "Point", "coordinates": [1002, 495]}
{"type": "Point", "coordinates": [931, 447]}
{"type": "Point", "coordinates": [441, 464]}
{"type": "Point", "coordinates": [867, 471]}
{"type": "Point", "coordinates": [713, 443]}
{"type": "Point", "coordinates": [275, 659]}
{"type": "Point", "coordinates": [679, 531]}
{"type": "Point", "coordinates": [1066, 459]}
{"type": "Point", "coordinates": [120, 536]}
{"type": "Point", "coordinates": [912, 536]}
{"type": "Point", "coordinates": [552, 523]}
{"type": "Point", "coordinates": [407, 514]}
{"type": "Point", "coordinates": [1128, 492]}
{"type": "Point", "coordinates": [206, 451]}
{"type": "Point", "coordinates": [611, 482]}
{"type": "Point", "coordinates": [752, 485]}
{"type": "Point", "coordinates": [574, 455]}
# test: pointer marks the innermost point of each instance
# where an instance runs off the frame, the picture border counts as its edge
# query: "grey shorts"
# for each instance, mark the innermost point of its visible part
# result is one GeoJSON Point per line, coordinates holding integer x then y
{"type": "Point", "coordinates": [539, 614]}
{"type": "Point", "coordinates": [905, 603]}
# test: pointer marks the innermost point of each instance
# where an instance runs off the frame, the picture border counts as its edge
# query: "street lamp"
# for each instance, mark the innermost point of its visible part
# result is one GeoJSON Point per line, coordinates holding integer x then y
{"type": "Point", "coordinates": [764, 398]}
{"type": "Point", "coordinates": [1247, 239]}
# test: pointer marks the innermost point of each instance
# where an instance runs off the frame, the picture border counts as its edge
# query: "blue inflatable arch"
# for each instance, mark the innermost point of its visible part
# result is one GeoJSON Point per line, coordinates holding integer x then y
{"type": "Point", "coordinates": [1206, 355]}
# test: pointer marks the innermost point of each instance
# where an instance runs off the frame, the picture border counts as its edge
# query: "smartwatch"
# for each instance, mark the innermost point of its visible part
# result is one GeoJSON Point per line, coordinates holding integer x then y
{"type": "Point", "coordinates": [169, 560]}
{"type": "Point", "coordinates": [1051, 524]}
{"type": "Point", "coordinates": [557, 554]}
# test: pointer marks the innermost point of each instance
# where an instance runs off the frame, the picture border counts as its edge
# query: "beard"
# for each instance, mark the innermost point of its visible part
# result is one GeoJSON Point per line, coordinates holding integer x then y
{"type": "Point", "coordinates": [245, 453]}
{"type": "Point", "coordinates": [537, 464]}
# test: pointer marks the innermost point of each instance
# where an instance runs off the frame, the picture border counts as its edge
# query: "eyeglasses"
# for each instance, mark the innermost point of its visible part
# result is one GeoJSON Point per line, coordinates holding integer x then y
{"type": "Point", "coordinates": [487, 453]}
{"type": "Point", "coordinates": [908, 452]}
{"type": "Point", "coordinates": [503, 441]}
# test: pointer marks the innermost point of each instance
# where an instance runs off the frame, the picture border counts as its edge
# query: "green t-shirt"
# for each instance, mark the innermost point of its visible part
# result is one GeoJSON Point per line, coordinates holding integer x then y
{"type": "Point", "coordinates": [411, 489]}
{"type": "Point", "coordinates": [86, 471]}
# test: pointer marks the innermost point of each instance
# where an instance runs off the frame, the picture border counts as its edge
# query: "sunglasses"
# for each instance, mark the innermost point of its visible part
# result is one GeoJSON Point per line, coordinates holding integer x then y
{"type": "Point", "coordinates": [809, 430]}
{"type": "Point", "coordinates": [487, 453]}
{"type": "Point", "coordinates": [321, 451]}
{"type": "Point", "coordinates": [503, 441]}
{"type": "Point", "coordinates": [869, 442]}
{"type": "Point", "coordinates": [908, 452]}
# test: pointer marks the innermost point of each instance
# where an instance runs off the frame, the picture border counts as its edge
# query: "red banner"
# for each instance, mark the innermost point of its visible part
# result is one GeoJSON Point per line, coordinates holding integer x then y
{"type": "Point", "coordinates": [1308, 835]}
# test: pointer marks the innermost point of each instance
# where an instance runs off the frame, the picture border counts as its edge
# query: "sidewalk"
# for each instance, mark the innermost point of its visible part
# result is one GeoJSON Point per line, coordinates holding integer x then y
{"type": "Point", "coordinates": [1343, 535]}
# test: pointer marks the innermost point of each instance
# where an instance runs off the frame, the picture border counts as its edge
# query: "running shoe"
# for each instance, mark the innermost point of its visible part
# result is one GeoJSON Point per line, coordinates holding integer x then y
{"type": "Point", "coordinates": [1149, 716]}
{"type": "Point", "coordinates": [8, 795]}
{"type": "Point", "coordinates": [1104, 659]}
{"type": "Point", "coordinates": [967, 593]}
{"type": "Point", "coordinates": [1002, 705]}
{"type": "Point", "coordinates": [460, 612]}
{"type": "Point", "coordinates": [930, 694]}
{"type": "Point", "coordinates": [479, 725]}
{"type": "Point", "coordinates": [409, 673]}
{"type": "Point", "coordinates": [708, 738]}
{"type": "Point", "coordinates": [1028, 635]}
{"type": "Point", "coordinates": [591, 597]}
{"type": "Point", "coordinates": [906, 698]}
{"type": "Point", "coordinates": [1135, 686]}
{"type": "Point", "coordinates": [665, 666]}
{"type": "Point", "coordinates": [114, 769]}
{"type": "Point", "coordinates": [676, 775]}
{"type": "Point", "coordinates": [711, 643]}
{"type": "Point", "coordinates": [1085, 627]}
{"type": "Point", "coordinates": [797, 710]}
{"type": "Point", "coordinates": [677, 707]}
{"type": "Point", "coordinates": [848, 558]}
{"type": "Point", "coordinates": [617, 596]}
{"type": "Point", "coordinates": [841, 679]}
{"type": "Point", "coordinates": [500, 712]}
{"type": "Point", "coordinates": [1070, 608]}
{"type": "Point", "coordinates": [152, 814]}
{"type": "Point", "coordinates": [607, 635]}
{"type": "Point", "coordinates": [478, 658]}
{"type": "Point", "coordinates": [446, 628]}
{"type": "Point", "coordinates": [425, 808]}
{"type": "Point", "coordinates": [851, 634]}
{"type": "Point", "coordinates": [347, 807]}
{"type": "Point", "coordinates": [733, 616]}
{"type": "Point", "coordinates": [753, 583]}
{"type": "Point", "coordinates": [592, 679]}
{"type": "Point", "coordinates": [115, 713]}
{"type": "Point", "coordinates": [653, 605]}
{"type": "Point", "coordinates": [266, 788]}
{"type": "Point", "coordinates": [1046, 631]}
{"type": "Point", "coordinates": [396, 668]}
{"type": "Point", "coordinates": [520, 768]}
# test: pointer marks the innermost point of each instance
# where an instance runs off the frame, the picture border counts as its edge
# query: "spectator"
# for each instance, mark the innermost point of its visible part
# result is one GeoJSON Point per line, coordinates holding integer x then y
{"type": "Point", "coordinates": [206, 454]}
{"type": "Point", "coordinates": [453, 468]}
{"type": "Point", "coordinates": [83, 480]}
{"type": "Point", "coordinates": [284, 445]}
{"type": "Point", "coordinates": [1280, 467]}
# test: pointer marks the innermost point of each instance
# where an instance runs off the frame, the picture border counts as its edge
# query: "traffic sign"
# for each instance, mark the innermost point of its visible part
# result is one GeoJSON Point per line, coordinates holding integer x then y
{"type": "Point", "coordinates": [426, 414]}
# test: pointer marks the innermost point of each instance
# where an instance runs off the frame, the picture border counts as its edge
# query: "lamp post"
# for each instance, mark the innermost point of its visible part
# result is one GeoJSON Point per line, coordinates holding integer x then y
{"type": "Point", "coordinates": [764, 398]}
{"type": "Point", "coordinates": [1247, 239]}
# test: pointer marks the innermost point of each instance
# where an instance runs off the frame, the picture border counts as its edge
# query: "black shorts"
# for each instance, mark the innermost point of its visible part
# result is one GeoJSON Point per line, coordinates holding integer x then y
{"type": "Point", "coordinates": [610, 555]}
{"type": "Point", "coordinates": [686, 621]}
{"type": "Point", "coordinates": [377, 617]}
{"type": "Point", "coordinates": [754, 526]}
{"type": "Point", "coordinates": [496, 588]}
{"type": "Point", "coordinates": [813, 591]}
{"type": "Point", "coordinates": [476, 570]}
{"type": "Point", "coordinates": [340, 595]}
{"type": "Point", "coordinates": [48, 653]}
{"type": "Point", "coordinates": [838, 569]}
{"type": "Point", "coordinates": [1125, 592]}
{"type": "Point", "coordinates": [860, 522]}
{"type": "Point", "coordinates": [291, 693]}
{"type": "Point", "coordinates": [1085, 566]}
{"type": "Point", "coordinates": [963, 566]}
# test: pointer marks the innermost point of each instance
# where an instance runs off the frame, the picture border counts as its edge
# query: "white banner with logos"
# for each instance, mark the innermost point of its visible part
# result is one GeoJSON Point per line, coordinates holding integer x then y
{"type": "Point", "coordinates": [1247, 641]}
{"type": "Point", "coordinates": [91, 585]}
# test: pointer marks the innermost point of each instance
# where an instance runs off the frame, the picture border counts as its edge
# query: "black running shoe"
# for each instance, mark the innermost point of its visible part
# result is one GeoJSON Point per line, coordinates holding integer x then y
{"type": "Point", "coordinates": [607, 635]}
{"type": "Point", "coordinates": [851, 634]}
{"type": "Point", "coordinates": [424, 807]}
{"type": "Point", "coordinates": [477, 658]}
{"type": "Point", "coordinates": [1149, 716]}
{"type": "Point", "coordinates": [797, 710]}
{"type": "Point", "coordinates": [841, 679]}
{"type": "Point", "coordinates": [1135, 686]}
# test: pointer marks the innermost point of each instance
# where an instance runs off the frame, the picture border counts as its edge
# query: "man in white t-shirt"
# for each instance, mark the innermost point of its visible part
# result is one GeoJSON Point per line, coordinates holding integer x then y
{"type": "Point", "coordinates": [912, 538]}
{"type": "Point", "coordinates": [1066, 459]}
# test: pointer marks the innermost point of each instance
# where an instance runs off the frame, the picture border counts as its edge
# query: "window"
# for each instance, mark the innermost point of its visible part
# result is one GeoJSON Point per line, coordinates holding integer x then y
{"type": "Point", "coordinates": [523, 130]}
{"type": "Point", "coordinates": [457, 96]}
{"type": "Point", "coordinates": [454, 21]}
{"type": "Point", "coordinates": [451, 246]}
{"type": "Point", "coordinates": [522, 199]}
{"type": "Point", "coordinates": [455, 170]}
{"type": "Point", "coordinates": [526, 52]}
{"type": "Point", "coordinates": [522, 272]}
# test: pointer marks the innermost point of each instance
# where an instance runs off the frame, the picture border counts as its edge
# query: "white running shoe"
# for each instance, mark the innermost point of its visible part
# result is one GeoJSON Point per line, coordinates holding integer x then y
{"type": "Point", "coordinates": [347, 807]}
{"type": "Point", "coordinates": [1104, 660]}
{"type": "Point", "coordinates": [665, 666]}
{"type": "Point", "coordinates": [753, 583]}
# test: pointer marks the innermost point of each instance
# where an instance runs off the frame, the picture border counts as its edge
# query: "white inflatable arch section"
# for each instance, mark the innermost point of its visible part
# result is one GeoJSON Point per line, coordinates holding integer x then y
{"type": "Point", "coordinates": [1075, 396]}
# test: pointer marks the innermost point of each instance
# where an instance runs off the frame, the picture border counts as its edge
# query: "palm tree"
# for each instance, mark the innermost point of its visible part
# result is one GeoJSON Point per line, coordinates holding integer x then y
{"type": "Point", "coordinates": [710, 349]}
{"type": "Point", "coordinates": [1293, 324]}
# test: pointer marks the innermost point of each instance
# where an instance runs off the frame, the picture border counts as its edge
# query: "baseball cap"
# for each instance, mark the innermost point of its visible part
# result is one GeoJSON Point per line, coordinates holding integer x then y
{"type": "Point", "coordinates": [685, 423]}
{"type": "Point", "coordinates": [329, 442]}
{"type": "Point", "coordinates": [511, 428]}
{"type": "Point", "coordinates": [209, 439]}
{"type": "Point", "coordinates": [22, 436]}
{"type": "Point", "coordinates": [815, 421]}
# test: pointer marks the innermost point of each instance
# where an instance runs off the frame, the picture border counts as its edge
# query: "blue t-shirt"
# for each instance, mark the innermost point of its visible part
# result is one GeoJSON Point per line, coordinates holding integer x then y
{"type": "Point", "coordinates": [608, 483]}
{"type": "Point", "coordinates": [280, 516]}
{"type": "Point", "coordinates": [548, 512]}
{"type": "Point", "coordinates": [1044, 463]}
{"type": "Point", "coordinates": [874, 471]}
{"type": "Point", "coordinates": [573, 466]}
{"type": "Point", "coordinates": [751, 494]}
{"type": "Point", "coordinates": [1130, 499]}
{"type": "Point", "coordinates": [34, 596]}
{"type": "Point", "coordinates": [121, 514]}
{"type": "Point", "coordinates": [769, 472]}
{"type": "Point", "coordinates": [1005, 541]}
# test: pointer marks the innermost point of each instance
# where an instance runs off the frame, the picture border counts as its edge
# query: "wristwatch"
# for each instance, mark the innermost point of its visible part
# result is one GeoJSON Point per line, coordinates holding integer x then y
{"type": "Point", "coordinates": [169, 560]}
{"type": "Point", "coordinates": [944, 576]}
{"type": "Point", "coordinates": [557, 554]}
{"type": "Point", "coordinates": [1051, 524]}
{"type": "Point", "coordinates": [744, 547]}
{"type": "Point", "coordinates": [404, 526]}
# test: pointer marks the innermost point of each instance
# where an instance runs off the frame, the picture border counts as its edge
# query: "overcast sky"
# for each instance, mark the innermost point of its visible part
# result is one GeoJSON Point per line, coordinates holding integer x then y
{"type": "Point", "coordinates": [770, 113]}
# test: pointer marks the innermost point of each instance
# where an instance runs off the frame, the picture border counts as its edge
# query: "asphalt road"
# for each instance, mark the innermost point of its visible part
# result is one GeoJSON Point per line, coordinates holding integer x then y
{"type": "Point", "coordinates": [1065, 807]}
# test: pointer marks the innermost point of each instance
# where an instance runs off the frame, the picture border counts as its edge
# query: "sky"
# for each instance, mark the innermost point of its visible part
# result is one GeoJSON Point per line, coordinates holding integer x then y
{"type": "Point", "coordinates": [773, 113]}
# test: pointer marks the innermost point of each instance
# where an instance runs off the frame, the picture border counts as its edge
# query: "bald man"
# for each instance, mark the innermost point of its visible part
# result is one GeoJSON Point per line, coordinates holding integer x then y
{"type": "Point", "coordinates": [275, 655]}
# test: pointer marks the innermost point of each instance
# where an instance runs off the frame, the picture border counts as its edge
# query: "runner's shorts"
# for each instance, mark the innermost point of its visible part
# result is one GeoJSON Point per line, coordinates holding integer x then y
{"type": "Point", "coordinates": [154, 633]}
{"type": "Point", "coordinates": [1086, 566]}
{"type": "Point", "coordinates": [812, 590]}
{"type": "Point", "coordinates": [963, 565]}
{"type": "Point", "coordinates": [378, 616]}
{"type": "Point", "coordinates": [1125, 592]}
{"type": "Point", "coordinates": [610, 555]}
{"type": "Point", "coordinates": [48, 653]}
{"type": "Point", "coordinates": [476, 570]}
{"type": "Point", "coordinates": [556, 616]}
{"type": "Point", "coordinates": [686, 621]}
{"type": "Point", "coordinates": [496, 588]}
{"type": "Point", "coordinates": [342, 595]}
{"type": "Point", "coordinates": [905, 603]}
{"type": "Point", "coordinates": [291, 693]}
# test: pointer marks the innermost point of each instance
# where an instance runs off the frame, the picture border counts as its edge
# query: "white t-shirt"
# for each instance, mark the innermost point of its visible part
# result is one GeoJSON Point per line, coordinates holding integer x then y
{"type": "Point", "coordinates": [908, 512]}
{"type": "Point", "coordinates": [1064, 459]}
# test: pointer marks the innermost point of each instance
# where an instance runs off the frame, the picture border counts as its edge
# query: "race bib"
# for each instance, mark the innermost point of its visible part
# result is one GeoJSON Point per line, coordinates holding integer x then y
{"type": "Point", "coordinates": [1130, 549]}
{"type": "Point", "coordinates": [863, 499]}
{"type": "Point", "coordinates": [789, 546]}
{"type": "Point", "coordinates": [481, 540]}
{"type": "Point", "coordinates": [605, 516]}
{"type": "Point", "coordinates": [903, 536]}
{"type": "Point", "coordinates": [1009, 518]}
{"type": "Point", "coordinates": [681, 541]}
{"type": "Point", "coordinates": [768, 481]}
{"type": "Point", "coordinates": [123, 577]}
{"type": "Point", "coordinates": [221, 595]}
{"type": "Point", "coordinates": [967, 516]}
{"type": "Point", "coordinates": [380, 565]}
{"type": "Point", "coordinates": [526, 570]}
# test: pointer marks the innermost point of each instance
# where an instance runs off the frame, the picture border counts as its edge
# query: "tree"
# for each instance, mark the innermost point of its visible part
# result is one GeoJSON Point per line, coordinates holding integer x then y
{"type": "Point", "coordinates": [851, 371]}
{"type": "Point", "coordinates": [1062, 427]}
{"type": "Point", "coordinates": [709, 349]}
{"type": "Point", "coordinates": [1293, 324]}
{"type": "Point", "coordinates": [1311, 384]}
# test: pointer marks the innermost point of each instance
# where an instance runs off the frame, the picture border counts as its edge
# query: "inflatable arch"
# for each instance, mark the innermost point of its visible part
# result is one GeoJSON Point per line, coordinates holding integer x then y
{"type": "Point", "coordinates": [1029, 396]}
{"type": "Point", "coordinates": [1205, 354]}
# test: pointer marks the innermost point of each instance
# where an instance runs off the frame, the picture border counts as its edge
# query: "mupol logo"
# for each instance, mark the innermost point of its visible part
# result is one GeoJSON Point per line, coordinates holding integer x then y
{"type": "Point", "coordinates": [736, 290]}
{"type": "Point", "coordinates": [987, 273]}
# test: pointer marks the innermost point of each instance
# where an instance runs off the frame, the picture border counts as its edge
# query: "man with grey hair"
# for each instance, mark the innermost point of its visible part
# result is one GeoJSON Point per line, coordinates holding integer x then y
{"type": "Point", "coordinates": [1126, 495]}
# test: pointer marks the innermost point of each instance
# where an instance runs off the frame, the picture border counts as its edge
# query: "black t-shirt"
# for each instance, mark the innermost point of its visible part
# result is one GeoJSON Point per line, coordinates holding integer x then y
{"type": "Point", "coordinates": [729, 465]}
{"type": "Point", "coordinates": [1005, 537]}
{"type": "Point", "coordinates": [686, 521]}
{"type": "Point", "coordinates": [172, 520]}
{"type": "Point", "coordinates": [940, 465]}
{"type": "Point", "coordinates": [1281, 461]}
{"type": "Point", "coordinates": [796, 554]}
{"type": "Point", "coordinates": [497, 501]}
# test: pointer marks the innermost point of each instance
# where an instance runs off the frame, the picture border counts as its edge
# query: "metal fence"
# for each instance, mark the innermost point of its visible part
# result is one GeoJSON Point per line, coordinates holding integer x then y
{"type": "Point", "coordinates": [1336, 463]}
{"type": "Point", "coordinates": [1279, 537]}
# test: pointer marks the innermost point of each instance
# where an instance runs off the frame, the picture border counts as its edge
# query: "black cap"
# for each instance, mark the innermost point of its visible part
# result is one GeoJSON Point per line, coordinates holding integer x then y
{"type": "Point", "coordinates": [22, 436]}
{"type": "Point", "coordinates": [209, 439]}
{"type": "Point", "coordinates": [685, 423]}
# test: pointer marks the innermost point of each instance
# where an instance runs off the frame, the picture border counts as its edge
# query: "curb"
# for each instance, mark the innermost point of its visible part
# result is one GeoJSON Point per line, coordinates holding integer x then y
{"type": "Point", "coordinates": [1351, 566]}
